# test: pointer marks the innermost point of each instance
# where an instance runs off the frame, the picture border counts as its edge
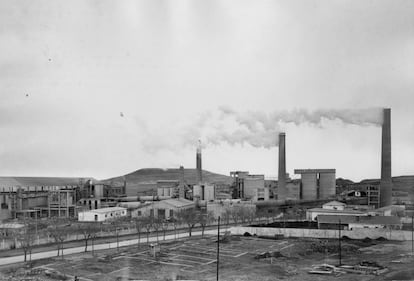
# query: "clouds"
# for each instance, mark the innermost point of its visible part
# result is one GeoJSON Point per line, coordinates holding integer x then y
{"type": "Point", "coordinates": [169, 65]}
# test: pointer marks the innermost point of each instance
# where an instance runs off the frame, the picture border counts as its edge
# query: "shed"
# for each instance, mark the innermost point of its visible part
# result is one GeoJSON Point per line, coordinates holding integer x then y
{"type": "Point", "coordinates": [102, 214]}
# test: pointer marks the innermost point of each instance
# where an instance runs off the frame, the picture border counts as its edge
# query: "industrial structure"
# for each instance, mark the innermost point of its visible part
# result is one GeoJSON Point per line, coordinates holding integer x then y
{"type": "Point", "coordinates": [38, 197]}
{"type": "Point", "coordinates": [317, 183]}
{"type": "Point", "coordinates": [250, 187]}
{"type": "Point", "coordinates": [282, 192]}
{"type": "Point", "coordinates": [198, 164]}
{"type": "Point", "coordinates": [386, 180]}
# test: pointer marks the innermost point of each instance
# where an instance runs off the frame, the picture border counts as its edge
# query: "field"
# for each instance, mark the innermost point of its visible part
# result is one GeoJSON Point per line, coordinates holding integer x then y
{"type": "Point", "coordinates": [195, 259]}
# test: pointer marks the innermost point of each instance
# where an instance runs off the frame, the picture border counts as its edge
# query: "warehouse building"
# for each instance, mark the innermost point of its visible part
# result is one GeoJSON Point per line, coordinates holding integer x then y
{"type": "Point", "coordinates": [104, 214]}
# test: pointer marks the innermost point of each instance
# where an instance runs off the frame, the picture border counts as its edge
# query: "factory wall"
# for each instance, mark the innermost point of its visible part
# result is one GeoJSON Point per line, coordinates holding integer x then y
{"type": "Point", "coordinates": [360, 233]}
{"type": "Point", "coordinates": [293, 190]}
{"type": "Point", "coordinates": [309, 186]}
{"type": "Point", "coordinates": [327, 185]}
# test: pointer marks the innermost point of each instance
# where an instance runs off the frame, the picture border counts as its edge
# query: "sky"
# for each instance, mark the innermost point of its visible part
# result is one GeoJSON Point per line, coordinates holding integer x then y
{"type": "Point", "coordinates": [103, 88]}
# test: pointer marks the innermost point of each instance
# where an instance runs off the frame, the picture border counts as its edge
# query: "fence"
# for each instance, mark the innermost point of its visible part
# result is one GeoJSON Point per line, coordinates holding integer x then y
{"type": "Point", "coordinates": [360, 233]}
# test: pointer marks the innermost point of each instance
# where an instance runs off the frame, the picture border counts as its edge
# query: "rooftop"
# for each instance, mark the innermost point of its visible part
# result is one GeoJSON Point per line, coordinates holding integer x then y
{"type": "Point", "coordinates": [178, 202]}
{"type": "Point", "coordinates": [314, 171]}
{"type": "Point", "coordinates": [345, 211]}
{"type": "Point", "coordinates": [107, 210]}
{"type": "Point", "coordinates": [385, 220]}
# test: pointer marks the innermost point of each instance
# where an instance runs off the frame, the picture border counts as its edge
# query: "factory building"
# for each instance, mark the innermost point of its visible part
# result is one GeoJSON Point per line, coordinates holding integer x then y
{"type": "Point", "coordinates": [317, 183]}
{"type": "Point", "coordinates": [250, 187]}
{"type": "Point", "coordinates": [96, 195]}
{"type": "Point", "coordinates": [103, 214]}
{"type": "Point", "coordinates": [168, 188]}
{"type": "Point", "coordinates": [38, 197]}
{"type": "Point", "coordinates": [205, 192]}
{"type": "Point", "coordinates": [165, 209]}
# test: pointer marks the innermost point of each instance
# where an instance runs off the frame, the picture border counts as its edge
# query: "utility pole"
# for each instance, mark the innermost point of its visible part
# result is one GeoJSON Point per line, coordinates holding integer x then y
{"type": "Point", "coordinates": [218, 246]}
{"type": "Point", "coordinates": [412, 235]}
{"type": "Point", "coordinates": [339, 243]}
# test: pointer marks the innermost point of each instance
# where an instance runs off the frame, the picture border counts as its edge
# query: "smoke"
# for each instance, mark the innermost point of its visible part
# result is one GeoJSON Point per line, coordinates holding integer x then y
{"type": "Point", "coordinates": [258, 129]}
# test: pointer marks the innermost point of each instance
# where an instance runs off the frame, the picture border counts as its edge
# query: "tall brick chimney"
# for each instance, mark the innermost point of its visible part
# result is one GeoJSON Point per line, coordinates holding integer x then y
{"type": "Point", "coordinates": [198, 164]}
{"type": "Point", "coordinates": [281, 184]}
{"type": "Point", "coordinates": [386, 180]}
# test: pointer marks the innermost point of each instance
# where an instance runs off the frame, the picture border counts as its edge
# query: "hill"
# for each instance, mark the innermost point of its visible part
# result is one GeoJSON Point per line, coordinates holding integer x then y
{"type": "Point", "coordinates": [145, 179]}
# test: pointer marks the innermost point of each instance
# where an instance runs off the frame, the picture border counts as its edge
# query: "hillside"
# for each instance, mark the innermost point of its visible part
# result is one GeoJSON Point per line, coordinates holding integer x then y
{"type": "Point", "coordinates": [146, 179]}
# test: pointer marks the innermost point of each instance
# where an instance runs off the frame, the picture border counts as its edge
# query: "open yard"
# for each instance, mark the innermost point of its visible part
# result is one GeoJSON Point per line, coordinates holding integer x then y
{"type": "Point", "coordinates": [195, 259]}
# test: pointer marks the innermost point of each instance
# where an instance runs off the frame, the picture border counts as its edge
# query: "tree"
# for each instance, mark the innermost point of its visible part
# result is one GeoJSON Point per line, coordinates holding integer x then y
{"type": "Point", "coordinates": [89, 231]}
{"type": "Point", "coordinates": [26, 239]}
{"type": "Point", "coordinates": [164, 227]}
{"type": "Point", "coordinates": [226, 215]}
{"type": "Point", "coordinates": [156, 225]}
{"type": "Point", "coordinates": [147, 223]}
{"type": "Point", "coordinates": [205, 219]}
{"type": "Point", "coordinates": [58, 230]}
{"type": "Point", "coordinates": [189, 217]}
{"type": "Point", "coordinates": [139, 225]}
{"type": "Point", "coordinates": [175, 222]}
{"type": "Point", "coordinates": [235, 215]}
{"type": "Point", "coordinates": [251, 215]}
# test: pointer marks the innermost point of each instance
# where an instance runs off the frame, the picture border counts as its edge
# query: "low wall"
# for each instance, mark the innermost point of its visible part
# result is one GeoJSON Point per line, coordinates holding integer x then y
{"type": "Point", "coordinates": [390, 234]}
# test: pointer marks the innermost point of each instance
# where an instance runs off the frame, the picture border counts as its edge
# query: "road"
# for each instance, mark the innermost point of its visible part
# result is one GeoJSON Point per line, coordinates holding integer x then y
{"type": "Point", "coordinates": [102, 246]}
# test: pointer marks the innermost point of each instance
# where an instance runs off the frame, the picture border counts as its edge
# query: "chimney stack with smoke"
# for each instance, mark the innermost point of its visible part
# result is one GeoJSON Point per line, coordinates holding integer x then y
{"type": "Point", "coordinates": [386, 181]}
{"type": "Point", "coordinates": [281, 185]}
{"type": "Point", "coordinates": [198, 164]}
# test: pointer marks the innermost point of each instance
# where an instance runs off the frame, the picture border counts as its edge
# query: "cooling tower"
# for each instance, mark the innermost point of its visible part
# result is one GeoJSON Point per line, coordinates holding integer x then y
{"type": "Point", "coordinates": [198, 164]}
{"type": "Point", "coordinates": [281, 185]}
{"type": "Point", "coordinates": [386, 181]}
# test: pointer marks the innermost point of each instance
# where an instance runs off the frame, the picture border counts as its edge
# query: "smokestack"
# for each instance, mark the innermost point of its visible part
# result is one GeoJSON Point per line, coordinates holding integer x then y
{"type": "Point", "coordinates": [281, 185]}
{"type": "Point", "coordinates": [198, 164]}
{"type": "Point", "coordinates": [386, 181]}
{"type": "Point", "coordinates": [181, 188]}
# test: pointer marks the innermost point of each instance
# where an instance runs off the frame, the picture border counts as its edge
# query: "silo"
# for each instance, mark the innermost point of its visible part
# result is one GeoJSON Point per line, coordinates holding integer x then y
{"type": "Point", "coordinates": [309, 186]}
{"type": "Point", "coordinates": [327, 185]}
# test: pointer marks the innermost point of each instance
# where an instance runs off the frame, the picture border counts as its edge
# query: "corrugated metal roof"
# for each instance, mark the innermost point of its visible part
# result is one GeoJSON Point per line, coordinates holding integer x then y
{"type": "Point", "coordinates": [40, 181]}
{"type": "Point", "coordinates": [107, 210]}
{"type": "Point", "coordinates": [178, 202]}
{"type": "Point", "coordinates": [321, 210]}
{"type": "Point", "coordinates": [384, 220]}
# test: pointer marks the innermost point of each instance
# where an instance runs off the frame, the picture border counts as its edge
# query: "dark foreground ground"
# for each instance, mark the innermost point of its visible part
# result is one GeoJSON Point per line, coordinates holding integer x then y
{"type": "Point", "coordinates": [195, 259]}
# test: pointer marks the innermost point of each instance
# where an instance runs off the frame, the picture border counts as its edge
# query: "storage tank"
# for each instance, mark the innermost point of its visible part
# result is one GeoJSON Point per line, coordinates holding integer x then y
{"type": "Point", "coordinates": [309, 186]}
{"type": "Point", "coordinates": [327, 185]}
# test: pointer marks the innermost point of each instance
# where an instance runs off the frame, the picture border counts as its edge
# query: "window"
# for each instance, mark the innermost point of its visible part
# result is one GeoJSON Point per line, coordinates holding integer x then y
{"type": "Point", "coordinates": [139, 213]}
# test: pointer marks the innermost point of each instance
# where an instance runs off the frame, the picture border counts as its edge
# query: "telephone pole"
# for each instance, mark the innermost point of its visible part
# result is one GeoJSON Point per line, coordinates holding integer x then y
{"type": "Point", "coordinates": [218, 246]}
{"type": "Point", "coordinates": [339, 243]}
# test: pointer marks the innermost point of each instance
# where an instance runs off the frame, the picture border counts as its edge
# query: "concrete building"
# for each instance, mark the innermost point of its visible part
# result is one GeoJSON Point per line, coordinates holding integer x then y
{"type": "Point", "coordinates": [205, 192]}
{"type": "Point", "coordinates": [165, 209]}
{"type": "Point", "coordinates": [314, 213]}
{"type": "Point", "coordinates": [168, 188]}
{"type": "Point", "coordinates": [38, 196]}
{"type": "Point", "coordinates": [250, 187]}
{"type": "Point", "coordinates": [317, 183]}
{"type": "Point", "coordinates": [104, 214]}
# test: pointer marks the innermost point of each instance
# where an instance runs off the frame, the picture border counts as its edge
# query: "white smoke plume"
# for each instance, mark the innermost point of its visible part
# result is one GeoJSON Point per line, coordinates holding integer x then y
{"type": "Point", "coordinates": [259, 129]}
